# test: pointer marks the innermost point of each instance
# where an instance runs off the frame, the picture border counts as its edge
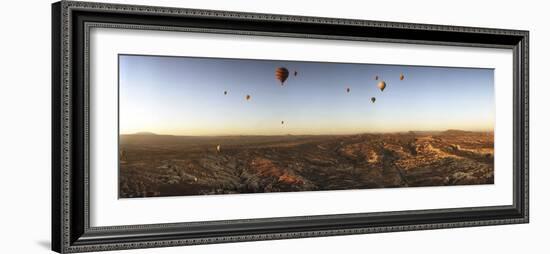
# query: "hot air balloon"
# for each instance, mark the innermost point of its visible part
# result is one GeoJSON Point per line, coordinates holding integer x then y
{"type": "Point", "coordinates": [224, 92]}
{"type": "Point", "coordinates": [401, 77]}
{"type": "Point", "coordinates": [281, 74]}
{"type": "Point", "coordinates": [372, 99]}
{"type": "Point", "coordinates": [247, 97]}
{"type": "Point", "coordinates": [218, 148]}
{"type": "Point", "coordinates": [376, 77]}
{"type": "Point", "coordinates": [282, 122]}
{"type": "Point", "coordinates": [295, 73]}
{"type": "Point", "coordinates": [382, 85]}
{"type": "Point", "coordinates": [347, 90]}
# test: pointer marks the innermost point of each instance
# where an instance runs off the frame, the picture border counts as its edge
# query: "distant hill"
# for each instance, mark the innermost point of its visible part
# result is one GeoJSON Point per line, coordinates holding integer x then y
{"type": "Point", "coordinates": [152, 138]}
{"type": "Point", "coordinates": [456, 132]}
{"type": "Point", "coordinates": [450, 132]}
{"type": "Point", "coordinates": [144, 133]}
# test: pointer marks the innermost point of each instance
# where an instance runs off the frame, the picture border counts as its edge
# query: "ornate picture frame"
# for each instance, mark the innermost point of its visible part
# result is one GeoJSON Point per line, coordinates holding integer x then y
{"type": "Point", "coordinates": [71, 24]}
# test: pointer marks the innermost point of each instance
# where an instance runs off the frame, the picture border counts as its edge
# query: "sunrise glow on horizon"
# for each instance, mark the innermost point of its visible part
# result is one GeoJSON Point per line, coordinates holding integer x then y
{"type": "Point", "coordinates": [186, 96]}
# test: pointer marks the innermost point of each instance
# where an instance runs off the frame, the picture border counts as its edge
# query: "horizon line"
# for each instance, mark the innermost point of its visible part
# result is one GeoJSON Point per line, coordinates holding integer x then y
{"type": "Point", "coordinates": [303, 134]}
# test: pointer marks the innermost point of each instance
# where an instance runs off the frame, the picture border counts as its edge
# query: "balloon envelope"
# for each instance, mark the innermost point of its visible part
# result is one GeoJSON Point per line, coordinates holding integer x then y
{"type": "Point", "coordinates": [382, 85]}
{"type": "Point", "coordinates": [281, 74]}
{"type": "Point", "coordinates": [401, 77]}
{"type": "Point", "coordinates": [247, 97]}
{"type": "Point", "coordinates": [373, 99]}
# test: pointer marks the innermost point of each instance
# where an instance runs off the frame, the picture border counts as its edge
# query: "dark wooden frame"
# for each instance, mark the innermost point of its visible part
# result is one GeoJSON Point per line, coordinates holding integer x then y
{"type": "Point", "coordinates": [71, 22]}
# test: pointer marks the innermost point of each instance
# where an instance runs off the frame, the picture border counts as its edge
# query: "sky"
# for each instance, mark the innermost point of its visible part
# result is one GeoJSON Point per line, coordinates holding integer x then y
{"type": "Point", "coordinates": [185, 96]}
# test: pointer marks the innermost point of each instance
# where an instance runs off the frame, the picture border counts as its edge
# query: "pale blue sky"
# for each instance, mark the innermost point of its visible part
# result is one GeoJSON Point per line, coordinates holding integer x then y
{"type": "Point", "coordinates": [185, 96]}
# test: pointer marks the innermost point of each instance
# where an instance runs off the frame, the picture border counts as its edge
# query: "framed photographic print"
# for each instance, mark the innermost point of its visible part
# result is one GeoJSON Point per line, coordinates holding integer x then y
{"type": "Point", "coordinates": [181, 126]}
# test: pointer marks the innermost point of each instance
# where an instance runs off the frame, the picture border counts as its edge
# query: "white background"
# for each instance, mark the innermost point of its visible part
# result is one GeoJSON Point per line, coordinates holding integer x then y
{"type": "Point", "coordinates": [108, 210]}
{"type": "Point", "coordinates": [25, 128]}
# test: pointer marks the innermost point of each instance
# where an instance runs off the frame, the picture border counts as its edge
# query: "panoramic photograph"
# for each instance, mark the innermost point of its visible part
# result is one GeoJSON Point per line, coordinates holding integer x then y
{"type": "Point", "coordinates": [206, 126]}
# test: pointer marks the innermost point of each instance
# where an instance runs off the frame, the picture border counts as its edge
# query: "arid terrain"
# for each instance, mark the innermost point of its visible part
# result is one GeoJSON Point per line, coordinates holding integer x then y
{"type": "Point", "coordinates": [164, 165]}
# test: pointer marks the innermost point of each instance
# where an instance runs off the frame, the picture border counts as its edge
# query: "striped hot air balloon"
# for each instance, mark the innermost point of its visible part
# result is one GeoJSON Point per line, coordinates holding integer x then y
{"type": "Point", "coordinates": [281, 74]}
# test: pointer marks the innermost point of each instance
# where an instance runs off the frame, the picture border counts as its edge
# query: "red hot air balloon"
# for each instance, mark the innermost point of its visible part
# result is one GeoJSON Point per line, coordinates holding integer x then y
{"type": "Point", "coordinates": [281, 74]}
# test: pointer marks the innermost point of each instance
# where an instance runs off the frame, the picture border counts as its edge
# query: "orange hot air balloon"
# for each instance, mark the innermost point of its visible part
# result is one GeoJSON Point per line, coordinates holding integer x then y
{"type": "Point", "coordinates": [372, 99]}
{"type": "Point", "coordinates": [348, 89]}
{"type": "Point", "coordinates": [247, 97]}
{"type": "Point", "coordinates": [382, 85]}
{"type": "Point", "coordinates": [401, 77]}
{"type": "Point", "coordinates": [281, 74]}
